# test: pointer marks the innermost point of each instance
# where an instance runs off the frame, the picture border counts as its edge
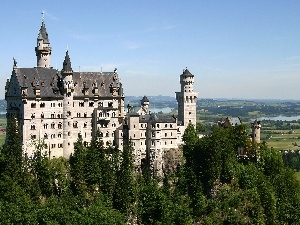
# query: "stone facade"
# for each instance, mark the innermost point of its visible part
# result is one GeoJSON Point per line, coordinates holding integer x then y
{"type": "Point", "coordinates": [54, 106]}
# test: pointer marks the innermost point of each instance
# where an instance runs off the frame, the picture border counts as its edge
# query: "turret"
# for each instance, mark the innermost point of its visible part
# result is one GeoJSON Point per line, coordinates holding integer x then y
{"type": "Point", "coordinates": [68, 88]}
{"type": "Point", "coordinates": [187, 99]}
{"type": "Point", "coordinates": [43, 49]}
{"type": "Point", "coordinates": [256, 126]}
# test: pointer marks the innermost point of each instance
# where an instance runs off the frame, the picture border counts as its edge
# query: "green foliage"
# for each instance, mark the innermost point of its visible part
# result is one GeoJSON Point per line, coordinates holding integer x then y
{"type": "Point", "coordinates": [98, 185]}
{"type": "Point", "coordinates": [125, 192]}
{"type": "Point", "coordinates": [200, 127]}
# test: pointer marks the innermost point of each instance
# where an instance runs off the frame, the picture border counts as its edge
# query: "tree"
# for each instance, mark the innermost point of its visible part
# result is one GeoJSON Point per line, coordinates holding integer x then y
{"type": "Point", "coordinates": [125, 192]}
{"type": "Point", "coordinates": [77, 167]}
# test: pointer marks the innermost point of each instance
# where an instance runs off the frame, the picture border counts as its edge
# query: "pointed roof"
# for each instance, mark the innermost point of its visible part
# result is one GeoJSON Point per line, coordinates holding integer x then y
{"type": "Point", "coordinates": [186, 72]}
{"type": "Point", "coordinates": [145, 99]}
{"type": "Point", "coordinates": [43, 35]}
{"type": "Point", "coordinates": [67, 63]}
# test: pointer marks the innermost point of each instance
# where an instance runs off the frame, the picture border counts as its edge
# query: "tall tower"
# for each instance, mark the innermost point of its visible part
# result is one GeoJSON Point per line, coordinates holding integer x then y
{"type": "Point", "coordinates": [43, 49]}
{"type": "Point", "coordinates": [187, 99]}
{"type": "Point", "coordinates": [144, 106]}
{"type": "Point", "coordinates": [255, 126]}
{"type": "Point", "coordinates": [68, 89]}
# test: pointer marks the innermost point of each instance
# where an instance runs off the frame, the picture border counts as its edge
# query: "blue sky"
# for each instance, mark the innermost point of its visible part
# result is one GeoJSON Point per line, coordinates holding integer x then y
{"type": "Point", "coordinates": [235, 48]}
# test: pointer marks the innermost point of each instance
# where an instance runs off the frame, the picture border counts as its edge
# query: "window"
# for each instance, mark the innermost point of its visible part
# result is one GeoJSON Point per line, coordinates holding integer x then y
{"type": "Point", "coordinates": [166, 125]}
{"type": "Point", "coordinates": [78, 114]}
{"type": "Point", "coordinates": [110, 104]}
{"type": "Point", "coordinates": [52, 116]}
{"type": "Point", "coordinates": [33, 105]}
{"type": "Point", "coordinates": [69, 133]}
{"type": "Point", "coordinates": [42, 105]}
{"type": "Point", "coordinates": [85, 125]}
{"type": "Point", "coordinates": [59, 135]}
{"type": "Point", "coordinates": [157, 125]}
{"type": "Point", "coordinates": [53, 125]}
{"type": "Point", "coordinates": [45, 136]}
{"type": "Point", "coordinates": [60, 145]}
{"type": "Point", "coordinates": [32, 127]}
{"type": "Point", "coordinates": [33, 136]}
{"type": "Point", "coordinates": [32, 115]}
{"type": "Point", "coordinates": [91, 104]}
{"type": "Point", "coordinates": [52, 145]}
{"type": "Point", "coordinates": [59, 125]}
{"type": "Point", "coordinates": [153, 134]}
{"type": "Point", "coordinates": [165, 134]}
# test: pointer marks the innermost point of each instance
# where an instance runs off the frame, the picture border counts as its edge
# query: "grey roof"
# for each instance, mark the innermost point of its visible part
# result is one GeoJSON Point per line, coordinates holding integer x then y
{"type": "Point", "coordinates": [186, 72]}
{"type": "Point", "coordinates": [157, 118]}
{"type": "Point", "coordinates": [144, 99]}
{"type": "Point", "coordinates": [50, 82]}
{"type": "Point", "coordinates": [43, 35]}
{"type": "Point", "coordinates": [67, 63]}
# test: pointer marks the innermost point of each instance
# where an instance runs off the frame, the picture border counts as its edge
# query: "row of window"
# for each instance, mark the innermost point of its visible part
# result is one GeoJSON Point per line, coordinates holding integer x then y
{"type": "Point", "coordinates": [153, 134]}
{"type": "Point", "coordinates": [153, 143]}
{"type": "Point", "coordinates": [81, 104]}
{"type": "Point", "coordinates": [43, 104]}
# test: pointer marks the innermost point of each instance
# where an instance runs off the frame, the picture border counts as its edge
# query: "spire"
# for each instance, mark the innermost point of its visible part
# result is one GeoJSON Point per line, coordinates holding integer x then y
{"type": "Point", "coordinates": [67, 64]}
{"type": "Point", "coordinates": [43, 48]}
{"type": "Point", "coordinates": [43, 35]}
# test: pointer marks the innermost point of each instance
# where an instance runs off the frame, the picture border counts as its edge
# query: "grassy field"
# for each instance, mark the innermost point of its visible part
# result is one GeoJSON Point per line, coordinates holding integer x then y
{"type": "Point", "coordinates": [282, 139]}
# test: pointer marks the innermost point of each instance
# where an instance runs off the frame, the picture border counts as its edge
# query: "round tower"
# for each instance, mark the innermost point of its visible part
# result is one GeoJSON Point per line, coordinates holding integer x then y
{"type": "Point", "coordinates": [187, 99]}
{"type": "Point", "coordinates": [255, 126]}
{"type": "Point", "coordinates": [68, 88]}
{"type": "Point", "coordinates": [145, 104]}
{"type": "Point", "coordinates": [43, 49]}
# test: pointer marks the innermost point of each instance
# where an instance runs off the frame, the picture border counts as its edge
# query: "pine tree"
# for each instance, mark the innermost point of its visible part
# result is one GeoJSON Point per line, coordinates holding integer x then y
{"type": "Point", "coordinates": [125, 192]}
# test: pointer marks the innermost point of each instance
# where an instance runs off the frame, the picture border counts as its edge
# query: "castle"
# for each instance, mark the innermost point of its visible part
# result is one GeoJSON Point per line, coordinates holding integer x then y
{"type": "Point", "coordinates": [55, 106]}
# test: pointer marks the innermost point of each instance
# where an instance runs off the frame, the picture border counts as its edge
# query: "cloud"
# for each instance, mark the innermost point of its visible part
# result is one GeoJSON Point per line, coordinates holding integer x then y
{"type": "Point", "coordinates": [50, 16]}
{"type": "Point", "coordinates": [132, 45]}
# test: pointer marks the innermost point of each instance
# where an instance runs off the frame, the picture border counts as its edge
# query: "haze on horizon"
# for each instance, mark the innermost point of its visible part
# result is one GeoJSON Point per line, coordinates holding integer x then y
{"type": "Point", "coordinates": [235, 49]}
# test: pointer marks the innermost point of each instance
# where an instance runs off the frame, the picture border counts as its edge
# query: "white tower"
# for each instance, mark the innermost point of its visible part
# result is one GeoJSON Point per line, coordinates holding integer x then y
{"type": "Point", "coordinates": [187, 99]}
{"type": "Point", "coordinates": [68, 134]}
{"type": "Point", "coordinates": [256, 126]}
{"type": "Point", "coordinates": [43, 49]}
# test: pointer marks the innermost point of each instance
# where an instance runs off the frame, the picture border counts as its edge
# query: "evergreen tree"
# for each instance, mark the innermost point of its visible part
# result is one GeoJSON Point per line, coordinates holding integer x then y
{"type": "Point", "coordinates": [125, 191]}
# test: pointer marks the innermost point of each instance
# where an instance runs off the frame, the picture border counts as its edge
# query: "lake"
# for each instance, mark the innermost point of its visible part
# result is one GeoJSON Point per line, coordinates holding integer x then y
{"type": "Point", "coordinates": [283, 118]}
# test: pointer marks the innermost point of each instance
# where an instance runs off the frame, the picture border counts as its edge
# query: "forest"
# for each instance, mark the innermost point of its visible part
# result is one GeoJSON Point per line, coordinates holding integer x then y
{"type": "Point", "coordinates": [97, 185]}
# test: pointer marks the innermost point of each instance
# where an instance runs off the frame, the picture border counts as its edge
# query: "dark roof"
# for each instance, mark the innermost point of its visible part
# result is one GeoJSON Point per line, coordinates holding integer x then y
{"type": "Point", "coordinates": [49, 81]}
{"type": "Point", "coordinates": [67, 63]}
{"type": "Point", "coordinates": [43, 35]}
{"type": "Point", "coordinates": [145, 99]}
{"type": "Point", "coordinates": [186, 72]}
{"type": "Point", "coordinates": [157, 118]}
